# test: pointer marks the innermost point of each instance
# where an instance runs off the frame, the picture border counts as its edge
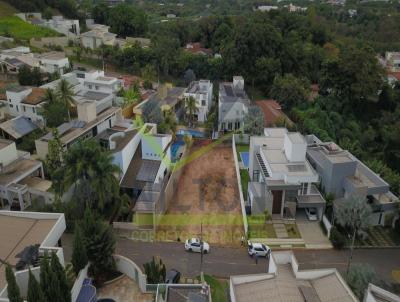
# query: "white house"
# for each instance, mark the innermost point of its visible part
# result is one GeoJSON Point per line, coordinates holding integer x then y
{"type": "Point", "coordinates": [281, 178]}
{"type": "Point", "coordinates": [98, 36]}
{"type": "Point", "coordinates": [54, 62]}
{"type": "Point", "coordinates": [201, 91]}
{"type": "Point", "coordinates": [25, 101]}
{"type": "Point", "coordinates": [67, 27]}
{"type": "Point", "coordinates": [233, 105]}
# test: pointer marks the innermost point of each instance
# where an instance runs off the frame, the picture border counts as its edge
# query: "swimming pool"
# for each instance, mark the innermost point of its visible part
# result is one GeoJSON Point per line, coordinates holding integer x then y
{"type": "Point", "coordinates": [245, 158]}
{"type": "Point", "coordinates": [193, 133]}
{"type": "Point", "coordinates": [175, 148]}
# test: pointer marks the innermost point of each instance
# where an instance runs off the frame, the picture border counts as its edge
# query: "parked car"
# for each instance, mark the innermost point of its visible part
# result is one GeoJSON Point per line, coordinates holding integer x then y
{"type": "Point", "coordinates": [311, 214]}
{"type": "Point", "coordinates": [258, 249]}
{"type": "Point", "coordinates": [194, 245]}
{"type": "Point", "coordinates": [172, 276]}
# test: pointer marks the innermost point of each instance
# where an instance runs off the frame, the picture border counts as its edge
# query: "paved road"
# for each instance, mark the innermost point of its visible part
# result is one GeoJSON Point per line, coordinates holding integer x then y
{"type": "Point", "coordinates": [223, 262]}
{"type": "Point", "coordinates": [220, 262]}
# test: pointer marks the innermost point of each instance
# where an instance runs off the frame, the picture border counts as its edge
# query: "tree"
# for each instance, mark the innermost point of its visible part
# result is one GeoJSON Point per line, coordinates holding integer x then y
{"type": "Point", "coordinates": [151, 112]}
{"type": "Point", "coordinates": [155, 271]}
{"type": "Point", "coordinates": [149, 73]}
{"type": "Point", "coordinates": [191, 109]}
{"type": "Point", "coordinates": [54, 111]}
{"type": "Point", "coordinates": [170, 124]}
{"type": "Point", "coordinates": [12, 286]}
{"type": "Point", "coordinates": [290, 91]}
{"type": "Point", "coordinates": [47, 13]}
{"type": "Point", "coordinates": [189, 76]}
{"type": "Point", "coordinates": [46, 278]}
{"type": "Point", "coordinates": [254, 121]}
{"type": "Point", "coordinates": [55, 154]}
{"type": "Point", "coordinates": [35, 293]}
{"type": "Point", "coordinates": [28, 77]}
{"type": "Point", "coordinates": [79, 256]}
{"type": "Point", "coordinates": [66, 94]}
{"type": "Point", "coordinates": [100, 245]}
{"type": "Point", "coordinates": [354, 214]}
{"type": "Point", "coordinates": [127, 20]}
{"type": "Point", "coordinates": [90, 169]}
{"type": "Point", "coordinates": [60, 275]}
{"type": "Point", "coordinates": [358, 278]}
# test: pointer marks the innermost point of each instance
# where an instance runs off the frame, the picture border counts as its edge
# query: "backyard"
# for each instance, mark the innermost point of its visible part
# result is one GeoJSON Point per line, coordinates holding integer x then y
{"type": "Point", "coordinates": [206, 196]}
{"type": "Point", "coordinates": [241, 151]}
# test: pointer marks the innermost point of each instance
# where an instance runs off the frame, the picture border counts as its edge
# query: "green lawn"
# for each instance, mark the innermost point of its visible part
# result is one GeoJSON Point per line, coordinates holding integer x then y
{"type": "Point", "coordinates": [219, 288]}
{"type": "Point", "coordinates": [6, 9]}
{"type": "Point", "coordinates": [244, 178]}
{"type": "Point", "coordinates": [18, 29]}
{"type": "Point", "coordinates": [241, 148]}
{"type": "Point", "coordinates": [258, 228]}
{"type": "Point", "coordinates": [292, 230]}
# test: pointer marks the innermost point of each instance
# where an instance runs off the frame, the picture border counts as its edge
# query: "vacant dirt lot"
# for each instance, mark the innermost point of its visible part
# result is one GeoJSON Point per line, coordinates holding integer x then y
{"type": "Point", "coordinates": [207, 194]}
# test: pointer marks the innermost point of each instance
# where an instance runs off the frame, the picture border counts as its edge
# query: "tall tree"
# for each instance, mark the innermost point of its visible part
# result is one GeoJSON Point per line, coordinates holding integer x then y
{"type": "Point", "coordinates": [355, 215]}
{"type": "Point", "coordinates": [254, 121]}
{"type": "Point", "coordinates": [60, 275]}
{"type": "Point", "coordinates": [191, 109]}
{"type": "Point", "coordinates": [358, 278]}
{"type": "Point", "coordinates": [45, 278]}
{"type": "Point", "coordinates": [66, 94]}
{"type": "Point", "coordinates": [79, 256]}
{"type": "Point", "coordinates": [127, 20]}
{"type": "Point", "coordinates": [290, 91]}
{"type": "Point", "coordinates": [35, 293]}
{"type": "Point", "coordinates": [55, 155]}
{"type": "Point", "coordinates": [13, 292]}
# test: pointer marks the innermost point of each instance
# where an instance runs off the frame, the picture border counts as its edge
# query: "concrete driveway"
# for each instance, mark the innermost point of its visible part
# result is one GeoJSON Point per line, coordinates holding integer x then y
{"type": "Point", "coordinates": [311, 232]}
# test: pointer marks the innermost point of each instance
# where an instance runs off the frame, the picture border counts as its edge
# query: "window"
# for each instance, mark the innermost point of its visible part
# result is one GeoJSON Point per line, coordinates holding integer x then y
{"type": "Point", "coordinates": [33, 110]}
{"type": "Point", "coordinates": [16, 107]}
{"type": "Point", "coordinates": [290, 195]}
{"type": "Point", "coordinates": [304, 188]}
{"type": "Point", "coordinates": [203, 102]}
{"type": "Point", "coordinates": [223, 126]}
{"type": "Point", "coordinates": [9, 100]}
{"type": "Point", "coordinates": [11, 105]}
{"type": "Point", "coordinates": [24, 108]}
{"type": "Point", "coordinates": [96, 87]}
{"type": "Point", "coordinates": [229, 126]}
{"type": "Point", "coordinates": [90, 86]}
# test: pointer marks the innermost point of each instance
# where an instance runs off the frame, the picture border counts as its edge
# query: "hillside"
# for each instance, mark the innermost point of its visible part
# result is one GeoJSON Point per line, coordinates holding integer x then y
{"type": "Point", "coordinates": [6, 9]}
{"type": "Point", "coordinates": [14, 27]}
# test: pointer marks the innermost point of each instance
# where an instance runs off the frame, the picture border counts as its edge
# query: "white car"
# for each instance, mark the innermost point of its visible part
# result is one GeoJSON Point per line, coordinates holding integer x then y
{"type": "Point", "coordinates": [194, 245]}
{"type": "Point", "coordinates": [258, 249]}
{"type": "Point", "coordinates": [311, 214]}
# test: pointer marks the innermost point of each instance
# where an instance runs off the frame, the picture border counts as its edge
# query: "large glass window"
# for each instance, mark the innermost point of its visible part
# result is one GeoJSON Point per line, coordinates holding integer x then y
{"type": "Point", "coordinates": [290, 195]}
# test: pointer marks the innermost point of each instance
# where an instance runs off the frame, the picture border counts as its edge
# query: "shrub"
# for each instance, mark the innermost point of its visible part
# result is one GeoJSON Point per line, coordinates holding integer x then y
{"type": "Point", "coordinates": [338, 239]}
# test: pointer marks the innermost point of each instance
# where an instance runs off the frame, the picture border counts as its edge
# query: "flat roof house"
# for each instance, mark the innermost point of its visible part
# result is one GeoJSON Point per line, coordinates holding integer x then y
{"type": "Point", "coordinates": [202, 92]}
{"type": "Point", "coordinates": [281, 178]}
{"type": "Point", "coordinates": [54, 61]}
{"type": "Point", "coordinates": [22, 230]}
{"type": "Point", "coordinates": [233, 105]}
{"type": "Point", "coordinates": [89, 124]}
{"type": "Point", "coordinates": [286, 282]}
{"type": "Point", "coordinates": [344, 175]}
{"type": "Point", "coordinates": [21, 178]}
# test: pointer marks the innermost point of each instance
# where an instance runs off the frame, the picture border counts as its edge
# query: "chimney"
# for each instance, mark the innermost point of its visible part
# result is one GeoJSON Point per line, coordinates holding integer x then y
{"type": "Point", "coordinates": [87, 112]}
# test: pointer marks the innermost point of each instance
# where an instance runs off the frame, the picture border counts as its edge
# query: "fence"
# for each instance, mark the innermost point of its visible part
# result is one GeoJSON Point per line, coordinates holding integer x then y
{"type": "Point", "coordinates": [129, 268]}
{"type": "Point", "coordinates": [327, 225]}
{"type": "Point", "coordinates": [245, 223]}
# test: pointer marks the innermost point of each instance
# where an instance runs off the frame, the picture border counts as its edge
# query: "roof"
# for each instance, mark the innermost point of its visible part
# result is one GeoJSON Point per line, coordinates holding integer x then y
{"type": "Point", "coordinates": [228, 93]}
{"type": "Point", "coordinates": [5, 142]}
{"type": "Point", "coordinates": [195, 87]}
{"type": "Point", "coordinates": [17, 170]}
{"type": "Point", "coordinates": [53, 55]}
{"type": "Point", "coordinates": [16, 233]}
{"type": "Point", "coordinates": [18, 127]}
{"type": "Point", "coordinates": [35, 97]}
{"type": "Point", "coordinates": [148, 170]}
{"type": "Point", "coordinates": [17, 88]}
{"type": "Point", "coordinates": [286, 287]}
{"type": "Point", "coordinates": [122, 141]}
{"type": "Point", "coordinates": [15, 62]}
{"type": "Point", "coordinates": [173, 96]}
{"type": "Point", "coordinates": [272, 111]}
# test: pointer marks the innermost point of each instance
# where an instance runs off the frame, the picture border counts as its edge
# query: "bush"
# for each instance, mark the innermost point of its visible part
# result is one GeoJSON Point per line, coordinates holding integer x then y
{"type": "Point", "coordinates": [338, 239]}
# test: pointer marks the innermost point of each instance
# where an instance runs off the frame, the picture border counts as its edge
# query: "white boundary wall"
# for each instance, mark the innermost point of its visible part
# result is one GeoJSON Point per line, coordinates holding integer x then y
{"type": "Point", "coordinates": [245, 224]}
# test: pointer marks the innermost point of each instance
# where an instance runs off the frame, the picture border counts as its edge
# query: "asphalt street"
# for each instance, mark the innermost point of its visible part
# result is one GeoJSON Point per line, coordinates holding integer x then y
{"type": "Point", "coordinates": [224, 262]}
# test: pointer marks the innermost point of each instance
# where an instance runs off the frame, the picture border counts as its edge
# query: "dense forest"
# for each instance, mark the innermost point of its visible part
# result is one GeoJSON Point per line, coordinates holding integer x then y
{"type": "Point", "coordinates": [280, 54]}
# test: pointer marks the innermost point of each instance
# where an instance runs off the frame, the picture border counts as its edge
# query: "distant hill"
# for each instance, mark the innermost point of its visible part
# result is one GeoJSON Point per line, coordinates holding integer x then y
{"type": "Point", "coordinates": [6, 10]}
{"type": "Point", "coordinates": [15, 27]}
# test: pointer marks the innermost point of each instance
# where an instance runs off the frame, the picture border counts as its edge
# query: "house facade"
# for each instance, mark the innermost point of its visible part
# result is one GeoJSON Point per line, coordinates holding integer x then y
{"type": "Point", "coordinates": [25, 101]}
{"type": "Point", "coordinates": [345, 176]}
{"type": "Point", "coordinates": [282, 181]}
{"type": "Point", "coordinates": [201, 91]}
{"type": "Point", "coordinates": [54, 61]}
{"type": "Point", "coordinates": [98, 36]}
{"type": "Point", "coordinates": [233, 105]}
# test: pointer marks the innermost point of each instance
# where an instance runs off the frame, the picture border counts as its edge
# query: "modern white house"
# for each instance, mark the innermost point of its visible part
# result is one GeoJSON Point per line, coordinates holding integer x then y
{"type": "Point", "coordinates": [95, 80]}
{"type": "Point", "coordinates": [344, 176]}
{"type": "Point", "coordinates": [97, 36]}
{"type": "Point", "coordinates": [284, 281]}
{"type": "Point", "coordinates": [233, 105]}
{"type": "Point", "coordinates": [67, 27]}
{"type": "Point", "coordinates": [54, 61]}
{"type": "Point", "coordinates": [201, 91]}
{"type": "Point", "coordinates": [281, 178]}
{"type": "Point", "coordinates": [25, 101]}
{"type": "Point", "coordinates": [21, 178]}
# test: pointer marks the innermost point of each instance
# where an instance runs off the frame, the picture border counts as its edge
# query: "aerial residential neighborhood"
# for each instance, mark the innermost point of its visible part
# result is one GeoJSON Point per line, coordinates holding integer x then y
{"type": "Point", "coordinates": [199, 151]}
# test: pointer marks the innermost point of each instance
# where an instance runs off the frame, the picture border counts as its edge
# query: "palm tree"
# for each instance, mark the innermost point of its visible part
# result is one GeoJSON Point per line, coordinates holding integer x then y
{"type": "Point", "coordinates": [191, 109]}
{"type": "Point", "coordinates": [66, 94]}
{"type": "Point", "coordinates": [170, 122]}
{"type": "Point", "coordinates": [50, 96]}
{"type": "Point", "coordinates": [354, 214]}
